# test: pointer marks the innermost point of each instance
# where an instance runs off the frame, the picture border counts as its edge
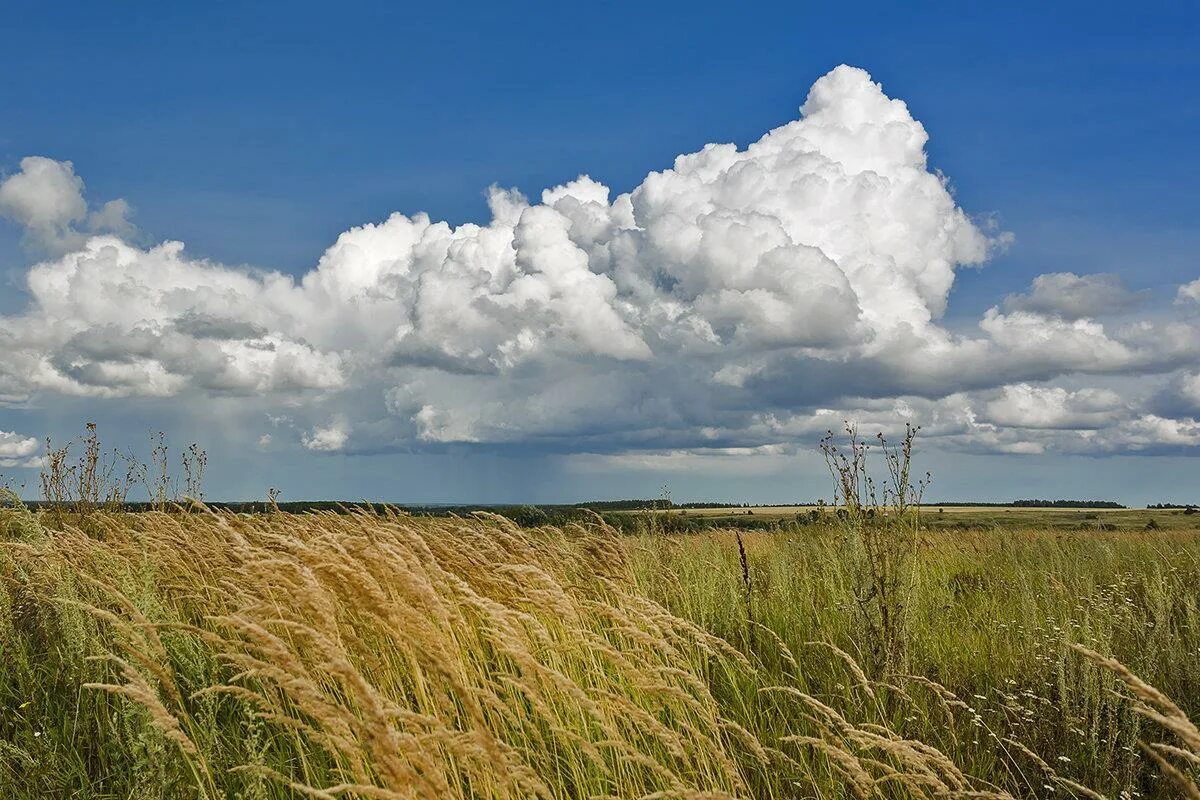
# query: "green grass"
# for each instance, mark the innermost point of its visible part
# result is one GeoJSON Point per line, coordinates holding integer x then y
{"type": "Point", "coordinates": [491, 662]}
{"type": "Point", "coordinates": [992, 618]}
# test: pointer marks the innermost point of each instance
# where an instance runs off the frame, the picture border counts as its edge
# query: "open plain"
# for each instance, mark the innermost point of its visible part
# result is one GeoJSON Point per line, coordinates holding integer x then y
{"type": "Point", "coordinates": [194, 654]}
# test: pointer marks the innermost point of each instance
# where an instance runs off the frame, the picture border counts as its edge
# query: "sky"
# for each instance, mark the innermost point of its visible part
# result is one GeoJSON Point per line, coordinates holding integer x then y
{"type": "Point", "coordinates": [552, 253]}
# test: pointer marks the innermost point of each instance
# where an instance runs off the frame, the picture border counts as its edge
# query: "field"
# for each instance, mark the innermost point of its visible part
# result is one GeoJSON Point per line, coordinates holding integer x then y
{"type": "Point", "coordinates": [172, 654]}
{"type": "Point", "coordinates": [974, 517]}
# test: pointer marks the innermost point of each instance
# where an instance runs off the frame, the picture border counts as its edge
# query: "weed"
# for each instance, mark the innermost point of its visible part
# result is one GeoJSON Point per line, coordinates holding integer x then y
{"type": "Point", "coordinates": [879, 522]}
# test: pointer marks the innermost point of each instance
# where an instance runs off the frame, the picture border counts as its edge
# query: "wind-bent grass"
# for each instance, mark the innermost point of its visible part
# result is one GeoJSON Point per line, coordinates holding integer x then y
{"type": "Point", "coordinates": [993, 620]}
{"type": "Point", "coordinates": [167, 655]}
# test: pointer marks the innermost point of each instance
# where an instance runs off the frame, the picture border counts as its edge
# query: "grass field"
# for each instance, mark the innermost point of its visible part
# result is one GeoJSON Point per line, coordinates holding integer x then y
{"type": "Point", "coordinates": [164, 655]}
{"type": "Point", "coordinates": [973, 517]}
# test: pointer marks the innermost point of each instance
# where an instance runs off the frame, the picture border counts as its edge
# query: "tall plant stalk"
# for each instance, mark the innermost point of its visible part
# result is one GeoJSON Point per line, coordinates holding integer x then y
{"type": "Point", "coordinates": [879, 522]}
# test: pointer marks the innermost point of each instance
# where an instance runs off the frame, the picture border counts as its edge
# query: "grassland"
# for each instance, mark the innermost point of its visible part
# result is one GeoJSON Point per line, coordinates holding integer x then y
{"type": "Point", "coordinates": [169, 654]}
{"type": "Point", "coordinates": [964, 517]}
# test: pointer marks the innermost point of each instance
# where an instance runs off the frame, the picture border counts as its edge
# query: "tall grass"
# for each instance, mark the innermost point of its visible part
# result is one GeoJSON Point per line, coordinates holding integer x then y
{"type": "Point", "coordinates": [993, 621]}
{"type": "Point", "coordinates": [171, 654]}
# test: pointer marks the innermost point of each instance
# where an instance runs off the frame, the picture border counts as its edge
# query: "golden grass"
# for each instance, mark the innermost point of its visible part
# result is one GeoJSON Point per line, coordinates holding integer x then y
{"type": "Point", "coordinates": [387, 656]}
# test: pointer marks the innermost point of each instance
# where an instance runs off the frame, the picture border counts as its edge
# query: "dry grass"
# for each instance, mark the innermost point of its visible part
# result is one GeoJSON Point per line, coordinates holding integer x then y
{"type": "Point", "coordinates": [220, 655]}
{"type": "Point", "coordinates": [1175, 761]}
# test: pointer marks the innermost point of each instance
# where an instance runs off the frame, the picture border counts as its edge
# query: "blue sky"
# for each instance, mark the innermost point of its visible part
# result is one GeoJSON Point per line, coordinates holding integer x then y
{"type": "Point", "coordinates": [257, 136]}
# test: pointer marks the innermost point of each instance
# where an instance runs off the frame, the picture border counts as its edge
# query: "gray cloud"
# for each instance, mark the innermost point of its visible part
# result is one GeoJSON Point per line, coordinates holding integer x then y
{"type": "Point", "coordinates": [1072, 297]}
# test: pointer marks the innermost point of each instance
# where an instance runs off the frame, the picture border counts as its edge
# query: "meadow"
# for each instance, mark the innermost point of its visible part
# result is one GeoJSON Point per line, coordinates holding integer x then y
{"type": "Point", "coordinates": [201, 654]}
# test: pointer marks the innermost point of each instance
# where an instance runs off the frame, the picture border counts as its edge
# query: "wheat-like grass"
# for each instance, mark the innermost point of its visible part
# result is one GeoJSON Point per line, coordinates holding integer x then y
{"type": "Point", "coordinates": [381, 655]}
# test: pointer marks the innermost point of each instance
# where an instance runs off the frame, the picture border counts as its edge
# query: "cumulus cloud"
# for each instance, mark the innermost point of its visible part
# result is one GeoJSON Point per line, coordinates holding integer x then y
{"type": "Point", "coordinates": [114, 320]}
{"type": "Point", "coordinates": [46, 198]}
{"type": "Point", "coordinates": [1018, 419]}
{"type": "Point", "coordinates": [1189, 292]}
{"type": "Point", "coordinates": [18, 451]}
{"type": "Point", "coordinates": [742, 298]}
{"type": "Point", "coordinates": [1025, 406]}
{"type": "Point", "coordinates": [827, 233]}
{"type": "Point", "coordinates": [1072, 297]}
{"type": "Point", "coordinates": [329, 438]}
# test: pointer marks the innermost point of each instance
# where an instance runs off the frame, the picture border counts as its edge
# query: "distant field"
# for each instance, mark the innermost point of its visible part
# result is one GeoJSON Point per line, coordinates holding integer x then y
{"type": "Point", "coordinates": [976, 516]}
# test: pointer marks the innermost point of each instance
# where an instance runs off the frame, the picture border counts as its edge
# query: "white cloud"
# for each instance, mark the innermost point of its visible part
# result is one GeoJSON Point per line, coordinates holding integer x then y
{"type": "Point", "coordinates": [1147, 432]}
{"type": "Point", "coordinates": [329, 438]}
{"type": "Point", "coordinates": [827, 233]}
{"type": "Point", "coordinates": [1072, 297]}
{"type": "Point", "coordinates": [1189, 292]}
{"type": "Point", "coordinates": [743, 298]}
{"type": "Point", "coordinates": [46, 198]}
{"type": "Point", "coordinates": [114, 320]}
{"type": "Point", "coordinates": [18, 451]}
{"type": "Point", "coordinates": [1024, 406]}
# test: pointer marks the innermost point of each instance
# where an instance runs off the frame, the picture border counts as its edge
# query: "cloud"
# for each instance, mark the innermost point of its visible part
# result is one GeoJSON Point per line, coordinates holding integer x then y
{"type": "Point", "coordinates": [46, 198]}
{"type": "Point", "coordinates": [112, 320]}
{"type": "Point", "coordinates": [112, 217]}
{"type": "Point", "coordinates": [760, 460]}
{"type": "Point", "coordinates": [329, 438]}
{"type": "Point", "coordinates": [739, 301]}
{"type": "Point", "coordinates": [1073, 297]}
{"type": "Point", "coordinates": [825, 234]}
{"type": "Point", "coordinates": [1189, 292]}
{"type": "Point", "coordinates": [18, 451]}
{"type": "Point", "coordinates": [1053, 407]}
{"type": "Point", "coordinates": [1148, 433]}
{"type": "Point", "coordinates": [1179, 396]}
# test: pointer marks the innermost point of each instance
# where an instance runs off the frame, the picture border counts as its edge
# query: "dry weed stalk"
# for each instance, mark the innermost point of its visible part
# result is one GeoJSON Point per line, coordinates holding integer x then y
{"type": "Point", "coordinates": [879, 522]}
{"type": "Point", "coordinates": [99, 480]}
